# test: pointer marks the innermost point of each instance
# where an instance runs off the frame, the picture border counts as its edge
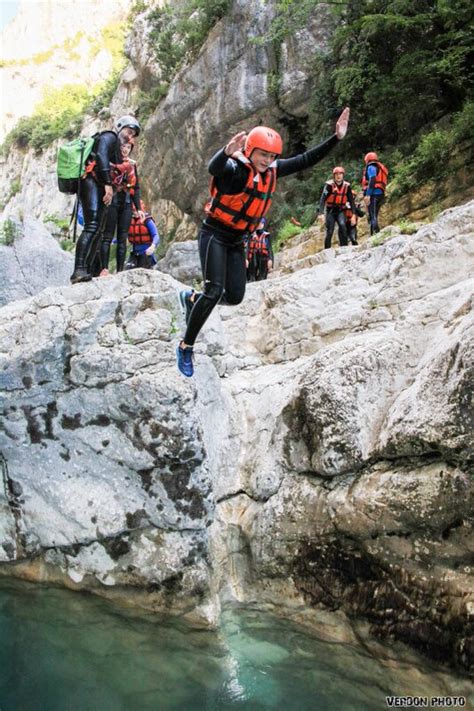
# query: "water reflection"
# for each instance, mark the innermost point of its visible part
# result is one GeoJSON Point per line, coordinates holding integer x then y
{"type": "Point", "coordinates": [65, 651]}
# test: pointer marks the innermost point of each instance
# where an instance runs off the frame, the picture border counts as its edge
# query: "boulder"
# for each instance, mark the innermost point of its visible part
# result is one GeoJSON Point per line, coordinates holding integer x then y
{"type": "Point", "coordinates": [320, 459]}
{"type": "Point", "coordinates": [33, 261]}
{"type": "Point", "coordinates": [182, 262]}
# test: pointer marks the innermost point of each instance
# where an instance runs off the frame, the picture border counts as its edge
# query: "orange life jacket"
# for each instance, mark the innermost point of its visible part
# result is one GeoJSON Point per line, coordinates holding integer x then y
{"type": "Point", "coordinates": [338, 195]}
{"type": "Point", "coordinates": [258, 245]}
{"type": "Point", "coordinates": [124, 176]}
{"type": "Point", "coordinates": [243, 211]}
{"type": "Point", "coordinates": [138, 231]}
{"type": "Point", "coordinates": [381, 179]}
{"type": "Point", "coordinates": [348, 211]}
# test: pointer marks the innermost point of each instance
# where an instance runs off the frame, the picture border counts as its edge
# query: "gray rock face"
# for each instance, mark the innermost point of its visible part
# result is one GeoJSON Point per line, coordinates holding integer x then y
{"type": "Point", "coordinates": [320, 458]}
{"type": "Point", "coordinates": [227, 89]}
{"type": "Point", "coordinates": [32, 262]}
{"type": "Point", "coordinates": [182, 262]}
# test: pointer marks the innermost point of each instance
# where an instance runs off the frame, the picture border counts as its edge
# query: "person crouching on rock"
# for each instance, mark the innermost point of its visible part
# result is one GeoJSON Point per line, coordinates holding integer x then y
{"type": "Point", "coordinates": [96, 192]}
{"type": "Point", "coordinates": [336, 194]}
{"type": "Point", "coordinates": [144, 239]}
{"type": "Point", "coordinates": [244, 173]}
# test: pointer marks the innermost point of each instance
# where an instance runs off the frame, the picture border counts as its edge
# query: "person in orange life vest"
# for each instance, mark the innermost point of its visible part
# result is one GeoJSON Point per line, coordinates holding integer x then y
{"type": "Point", "coordinates": [334, 197]}
{"type": "Point", "coordinates": [259, 253]}
{"type": "Point", "coordinates": [126, 196]}
{"type": "Point", "coordinates": [96, 192]}
{"type": "Point", "coordinates": [374, 182]}
{"type": "Point", "coordinates": [244, 173]}
{"type": "Point", "coordinates": [144, 239]}
{"type": "Point", "coordinates": [351, 225]}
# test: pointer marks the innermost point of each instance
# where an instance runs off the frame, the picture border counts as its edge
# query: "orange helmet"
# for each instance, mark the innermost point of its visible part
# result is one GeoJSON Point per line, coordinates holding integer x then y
{"type": "Point", "coordinates": [264, 138]}
{"type": "Point", "coordinates": [338, 169]}
{"type": "Point", "coordinates": [370, 156]}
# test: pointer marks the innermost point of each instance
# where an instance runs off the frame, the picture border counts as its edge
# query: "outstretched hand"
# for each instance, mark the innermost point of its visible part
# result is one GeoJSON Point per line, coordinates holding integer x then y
{"type": "Point", "coordinates": [342, 123]}
{"type": "Point", "coordinates": [236, 143]}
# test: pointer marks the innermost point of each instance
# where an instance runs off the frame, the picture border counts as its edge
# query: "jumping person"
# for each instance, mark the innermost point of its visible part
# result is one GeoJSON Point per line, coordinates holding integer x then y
{"type": "Point", "coordinates": [334, 198]}
{"type": "Point", "coordinates": [374, 181]}
{"type": "Point", "coordinates": [96, 192]}
{"type": "Point", "coordinates": [244, 174]}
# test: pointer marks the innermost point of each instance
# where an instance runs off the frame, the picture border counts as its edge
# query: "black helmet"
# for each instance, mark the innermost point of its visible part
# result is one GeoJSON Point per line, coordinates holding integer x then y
{"type": "Point", "coordinates": [127, 122]}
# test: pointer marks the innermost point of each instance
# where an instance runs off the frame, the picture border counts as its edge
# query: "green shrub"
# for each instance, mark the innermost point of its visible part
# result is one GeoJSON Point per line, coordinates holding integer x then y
{"type": "Point", "coordinates": [382, 237]}
{"type": "Point", "coordinates": [67, 245]}
{"type": "Point", "coordinates": [407, 227]}
{"type": "Point", "coordinates": [286, 232]}
{"type": "Point", "coordinates": [8, 232]}
{"type": "Point", "coordinates": [147, 101]}
{"type": "Point", "coordinates": [60, 224]}
{"type": "Point", "coordinates": [179, 31]}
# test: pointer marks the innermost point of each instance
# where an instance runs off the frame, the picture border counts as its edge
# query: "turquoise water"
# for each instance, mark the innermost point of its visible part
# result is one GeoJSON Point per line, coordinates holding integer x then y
{"type": "Point", "coordinates": [63, 651]}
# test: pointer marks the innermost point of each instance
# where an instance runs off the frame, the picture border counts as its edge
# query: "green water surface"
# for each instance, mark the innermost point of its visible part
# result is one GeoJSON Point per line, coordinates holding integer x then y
{"type": "Point", "coordinates": [64, 651]}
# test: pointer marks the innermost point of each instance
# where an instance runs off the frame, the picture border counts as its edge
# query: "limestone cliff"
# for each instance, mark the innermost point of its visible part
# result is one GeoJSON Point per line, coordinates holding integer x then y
{"type": "Point", "coordinates": [52, 43]}
{"type": "Point", "coordinates": [320, 459]}
{"type": "Point", "coordinates": [226, 88]}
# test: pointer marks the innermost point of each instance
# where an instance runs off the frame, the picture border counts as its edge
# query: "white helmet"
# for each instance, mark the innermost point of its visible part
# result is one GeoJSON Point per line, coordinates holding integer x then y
{"type": "Point", "coordinates": [127, 122]}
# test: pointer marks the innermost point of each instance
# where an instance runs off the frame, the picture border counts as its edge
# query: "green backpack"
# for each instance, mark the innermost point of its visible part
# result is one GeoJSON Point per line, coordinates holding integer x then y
{"type": "Point", "coordinates": [71, 163]}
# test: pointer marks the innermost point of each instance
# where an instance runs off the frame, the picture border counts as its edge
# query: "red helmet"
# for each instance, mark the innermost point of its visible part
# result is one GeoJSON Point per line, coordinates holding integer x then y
{"type": "Point", "coordinates": [264, 138]}
{"type": "Point", "coordinates": [370, 156]}
{"type": "Point", "coordinates": [338, 169]}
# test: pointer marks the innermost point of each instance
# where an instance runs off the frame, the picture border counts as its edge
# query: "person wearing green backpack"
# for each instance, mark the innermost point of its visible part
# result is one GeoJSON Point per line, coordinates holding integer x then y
{"type": "Point", "coordinates": [96, 192]}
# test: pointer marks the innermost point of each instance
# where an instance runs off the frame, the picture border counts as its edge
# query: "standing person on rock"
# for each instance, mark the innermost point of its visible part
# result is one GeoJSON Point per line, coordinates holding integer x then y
{"type": "Point", "coordinates": [144, 238]}
{"type": "Point", "coordinates": [352, 218]}
{"type": "Point", "coordinates": [96, 192]}
{"type": "Point", "coordinates": [244, 178]}
{"type": "Point", "coordinates": [374, 182]}
{"type": "Point", "coordinates": [259, 256]}
{"type": "Point", "coordinates": [334, 198]}
{"type": "Point", "coordinates": [125, 201]}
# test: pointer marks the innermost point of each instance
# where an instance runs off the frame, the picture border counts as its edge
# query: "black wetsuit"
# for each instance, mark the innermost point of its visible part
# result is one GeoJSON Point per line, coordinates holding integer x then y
{"type": "Point", "coordinates": [335, 214]}
{"type": "Point", "coordinates": [222, 249]}
{"type": "Point", "coordinates": [106, 150]}
{"type": "Point", "coordinates": [119, 217]}
{"type": "Point", "coordinates": [257, 269]}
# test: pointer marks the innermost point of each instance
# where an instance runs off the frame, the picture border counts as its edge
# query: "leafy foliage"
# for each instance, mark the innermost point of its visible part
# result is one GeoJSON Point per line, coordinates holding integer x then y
{"type": "Point", "coordinates": [8, 232]}
{"type": "Point", "coordinates": [59, 115]}
{"type": "Point", "coordinates": [286, 231]}
{"type": "Point", "coordinates": [179, 30]}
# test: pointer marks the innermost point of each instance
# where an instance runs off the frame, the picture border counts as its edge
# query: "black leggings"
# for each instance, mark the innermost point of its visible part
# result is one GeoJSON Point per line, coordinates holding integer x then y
{"type": "Point", "coordinates": [224, 275]}
{"type": "Point", "coordinates": [91, 195]}
{"type": "Point", "coordinates": [333, 216]}
{"type": "Point", "coordinates": [119, 217]}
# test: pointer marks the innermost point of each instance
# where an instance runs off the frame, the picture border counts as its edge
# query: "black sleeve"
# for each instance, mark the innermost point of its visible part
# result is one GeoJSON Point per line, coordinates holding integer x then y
{"type": "Point", "coordinates": [350, 197]}
{"type": "Point", "coordinates": [270, 246]}
{"type": "Point", "coordinates": [105, 152]}
{"type": "Point", "coordinates": [230, 175]}
{"type": "Point", "coordinates": [322, 201]}
{"type": "Point", "coordinates": [136, 195]}
{"type": "Point", "coordinates": [288, 166]}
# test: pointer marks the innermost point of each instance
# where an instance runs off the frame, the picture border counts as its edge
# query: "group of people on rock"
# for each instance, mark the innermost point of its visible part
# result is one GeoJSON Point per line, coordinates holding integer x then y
{"type": "Point", "coordinates": [233, 242]}
{"type": "Point", "coordinates": [109, 196]}
{"type": "Point", "coordinates": [340, 206]}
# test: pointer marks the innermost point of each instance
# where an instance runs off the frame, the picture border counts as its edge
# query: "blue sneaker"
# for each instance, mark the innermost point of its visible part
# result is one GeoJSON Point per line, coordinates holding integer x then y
{"type": "Point", "coordinates": [186, 303]}
{"type": "Point", "coordinates": [184, 359]}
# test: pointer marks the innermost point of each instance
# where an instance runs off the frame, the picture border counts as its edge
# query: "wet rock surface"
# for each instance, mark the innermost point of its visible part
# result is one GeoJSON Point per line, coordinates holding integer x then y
{"type": "Point", "coordinates": [321, 458]}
